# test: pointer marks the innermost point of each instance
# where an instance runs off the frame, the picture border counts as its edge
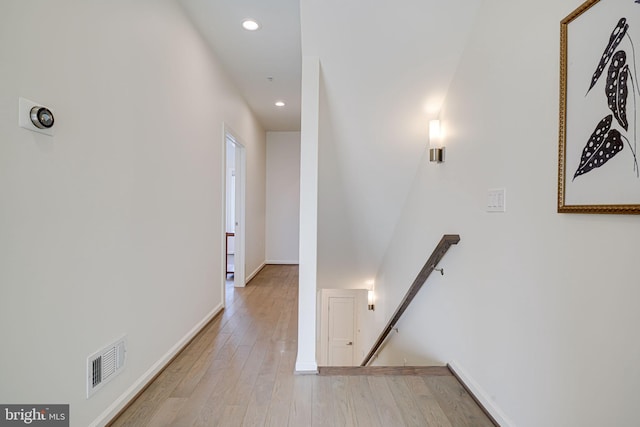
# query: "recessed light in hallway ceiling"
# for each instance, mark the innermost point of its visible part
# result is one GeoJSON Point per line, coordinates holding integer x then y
{"type": "Point", "coordinates": [249, 58]}
{"type": "Point", "coordinates": [280, 104]}
{"type": "Point", "coordinates": [250, 24]}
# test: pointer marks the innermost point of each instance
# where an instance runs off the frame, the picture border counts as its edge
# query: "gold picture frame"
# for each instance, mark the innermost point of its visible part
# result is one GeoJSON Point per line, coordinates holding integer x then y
{"type": "Point", "coordinates": [599, 132]}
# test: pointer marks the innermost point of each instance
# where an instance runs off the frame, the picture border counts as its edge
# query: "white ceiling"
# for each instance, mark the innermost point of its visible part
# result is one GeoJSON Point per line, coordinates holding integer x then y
{"type": "Point", "coordinates": [251, 57]}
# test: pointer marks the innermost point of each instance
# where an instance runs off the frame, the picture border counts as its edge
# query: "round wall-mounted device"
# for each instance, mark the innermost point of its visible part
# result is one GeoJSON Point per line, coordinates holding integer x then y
{"type": "Point", "coordinates": [41, 117]}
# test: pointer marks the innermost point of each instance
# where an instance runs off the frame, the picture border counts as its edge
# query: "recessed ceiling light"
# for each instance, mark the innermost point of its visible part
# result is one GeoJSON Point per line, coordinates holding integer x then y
{"type": "Point", "coordinates": [250, 25]}
{"type": "Point", "coordinates": [280, 104]}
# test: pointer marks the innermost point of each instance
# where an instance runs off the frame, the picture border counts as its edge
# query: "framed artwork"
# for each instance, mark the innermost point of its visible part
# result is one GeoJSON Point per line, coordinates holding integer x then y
{"type": "Point", "coordinates": [599, 93]}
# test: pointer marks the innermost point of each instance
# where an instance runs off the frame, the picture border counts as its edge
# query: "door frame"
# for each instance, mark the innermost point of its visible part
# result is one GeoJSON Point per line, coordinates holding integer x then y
{"type": "Point", "coordinates": [360, 298]}
{"type": "Point", "coordinates": [239, 280]}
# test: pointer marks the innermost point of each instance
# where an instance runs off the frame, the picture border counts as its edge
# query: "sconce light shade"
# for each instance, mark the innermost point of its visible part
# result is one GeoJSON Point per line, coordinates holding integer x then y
{"type": "Point", "coordinates": [436, 150]}
{"type": "Point", "coordinates": [434, 133]}
{"type": "Point", "coordinates": [370, 298]}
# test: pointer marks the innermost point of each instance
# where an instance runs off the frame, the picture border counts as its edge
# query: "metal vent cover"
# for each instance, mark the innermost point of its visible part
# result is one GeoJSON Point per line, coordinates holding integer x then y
{"type": "Point", "coordinates": [104, 365]}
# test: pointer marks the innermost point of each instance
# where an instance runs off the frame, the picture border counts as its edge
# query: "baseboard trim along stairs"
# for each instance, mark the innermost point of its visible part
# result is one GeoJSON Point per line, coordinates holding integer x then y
{"type": "Point", "coordinates": [480, 396]}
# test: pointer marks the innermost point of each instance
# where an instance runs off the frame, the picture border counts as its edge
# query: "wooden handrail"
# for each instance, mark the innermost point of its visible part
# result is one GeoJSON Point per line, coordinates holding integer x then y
{"type": "Point", "coordinates": [437, 254]}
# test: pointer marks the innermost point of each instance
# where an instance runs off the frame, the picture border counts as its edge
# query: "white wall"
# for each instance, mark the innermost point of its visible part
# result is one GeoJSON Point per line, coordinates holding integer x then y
{"type": "Point", "coordinates": [534, 305]}
{"type": "Point", "coordinates": [114, 225]}
{"type": "Point", "coordinates": [283, 197]}
{"type": "Point", "coordinates": [255, 200]}
{"type": "Point", "coordinates": [374, 117]}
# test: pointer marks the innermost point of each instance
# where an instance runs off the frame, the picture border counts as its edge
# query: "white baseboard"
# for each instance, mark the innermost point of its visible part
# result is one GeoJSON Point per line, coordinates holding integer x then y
{"type": "Point", "coordinates": [135, 388]}
{"type": "Point", "coordinates": [479, 393]}
{"type": "Point", "coordinates": [283, 262]}
{"type": "Point", "coordinates": [255, 272]}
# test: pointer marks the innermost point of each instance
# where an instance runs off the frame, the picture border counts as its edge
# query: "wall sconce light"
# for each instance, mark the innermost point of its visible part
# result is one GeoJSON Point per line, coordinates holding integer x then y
{"type": "Point", "coordinates": [436, 150]}
{"type": "Point", "coordinates": [370, 299]}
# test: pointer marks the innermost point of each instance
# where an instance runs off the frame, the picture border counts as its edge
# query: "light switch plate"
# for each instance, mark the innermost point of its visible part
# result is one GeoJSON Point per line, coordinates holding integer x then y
{"type": "Point", "coordinates": [24, 119]}
{"type": "Point", "coordinates": [496, 200]}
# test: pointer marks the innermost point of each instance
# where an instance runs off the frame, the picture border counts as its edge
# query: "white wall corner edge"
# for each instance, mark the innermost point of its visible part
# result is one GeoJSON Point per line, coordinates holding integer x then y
{"type": "Point", "coordinates": [138, 385]}
{"type": "Point", "coordinates": [481, 395]}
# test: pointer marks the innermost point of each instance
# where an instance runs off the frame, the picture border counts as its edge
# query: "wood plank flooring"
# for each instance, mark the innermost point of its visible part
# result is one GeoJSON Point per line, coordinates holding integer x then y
{"type": "Point", "coordinates": [239, 371]}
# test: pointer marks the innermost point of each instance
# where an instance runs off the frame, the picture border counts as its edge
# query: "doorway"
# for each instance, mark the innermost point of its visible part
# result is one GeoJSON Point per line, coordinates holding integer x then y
{"type": "Point", "coordinates": [234, 203]}
{"type": "Point", "coordinates": [343, 316]}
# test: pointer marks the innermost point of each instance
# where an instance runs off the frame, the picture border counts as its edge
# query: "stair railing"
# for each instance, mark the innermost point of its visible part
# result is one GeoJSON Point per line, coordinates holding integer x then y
{"type": "Point", "coordinates": [431, 264]}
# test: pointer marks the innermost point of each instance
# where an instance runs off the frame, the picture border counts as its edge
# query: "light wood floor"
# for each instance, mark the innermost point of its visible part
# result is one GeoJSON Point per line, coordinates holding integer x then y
{"type": "Point", "coordinates": [239, 372]}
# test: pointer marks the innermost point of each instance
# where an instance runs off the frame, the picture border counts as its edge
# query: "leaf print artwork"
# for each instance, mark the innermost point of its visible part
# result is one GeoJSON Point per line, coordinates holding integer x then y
{"type": "Point", "coordinates": [601, 147]}
{"type": "Point", "coordinates": [614, 40]}
{"type": "Point", "coordinates": [605, 142]}
{"type": "Point", "coordinates": [599, 126]}
{"type": "Point", "coordinates": [616, 88]}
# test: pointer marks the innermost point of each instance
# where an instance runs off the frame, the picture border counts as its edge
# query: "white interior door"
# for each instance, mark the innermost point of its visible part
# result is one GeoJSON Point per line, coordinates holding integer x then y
{"type": "Point", "coordinates": [235, 182]}
{"type": "Point", "coordinates": [240, 230]}
{"type": "Point", "coordinates": [342, 321]}
{"type": "Point", "coordinates": [231, 193]}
